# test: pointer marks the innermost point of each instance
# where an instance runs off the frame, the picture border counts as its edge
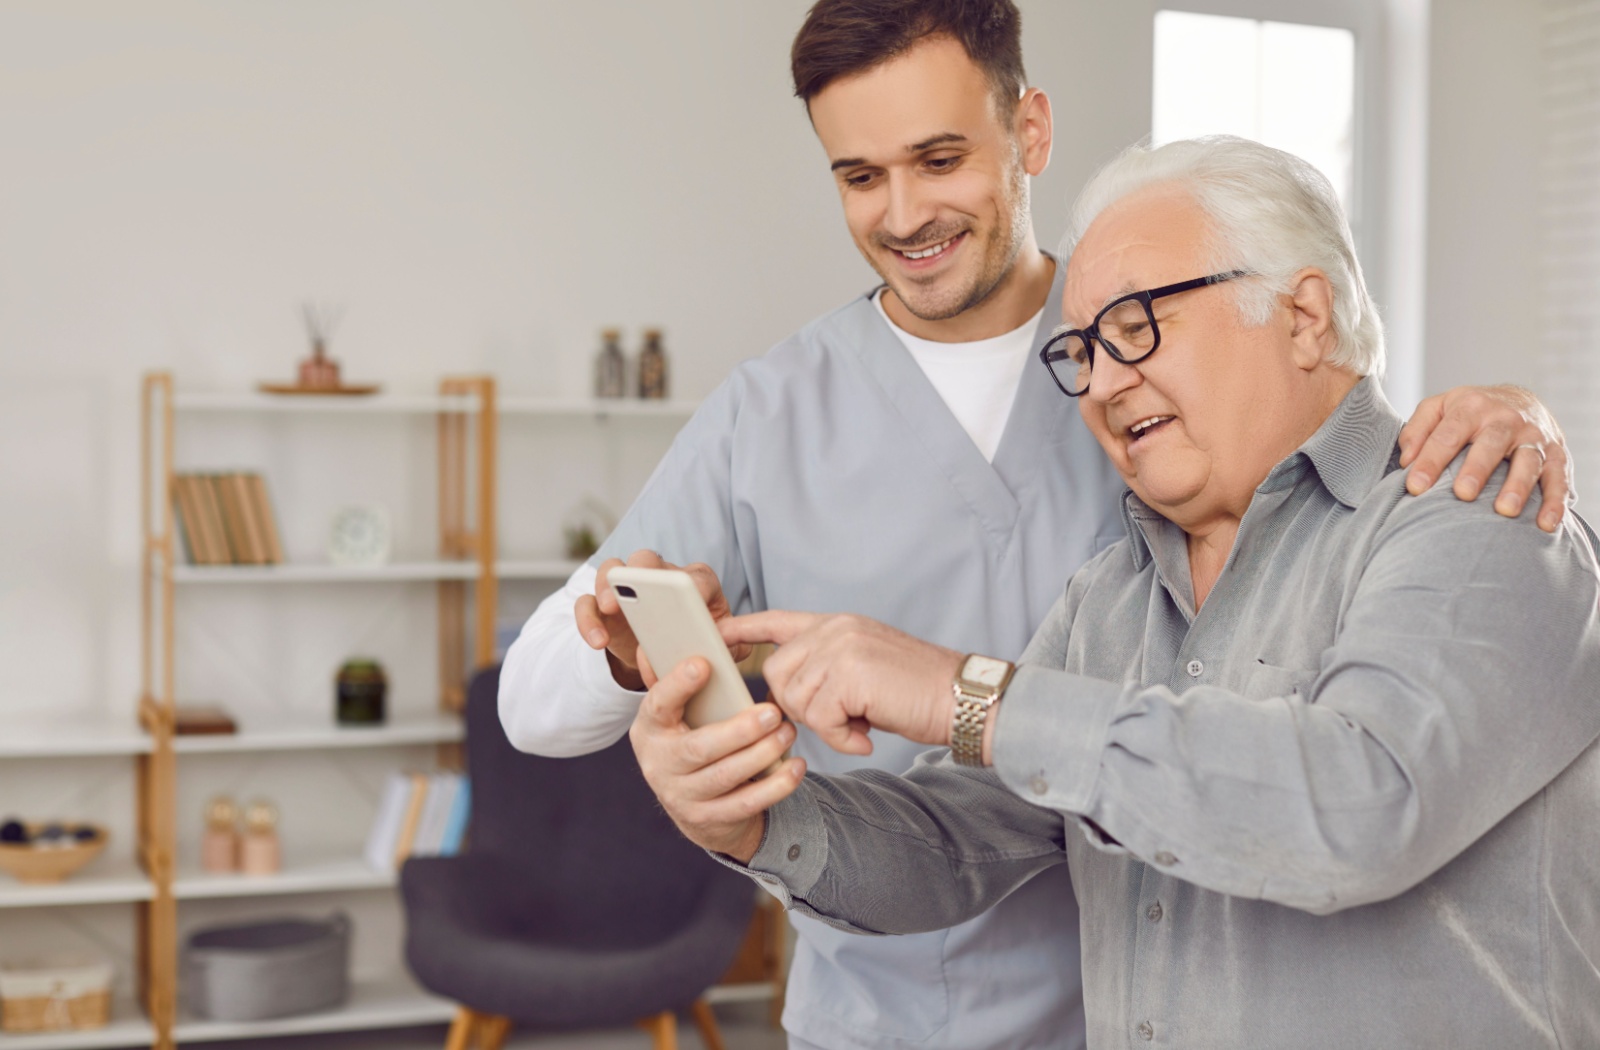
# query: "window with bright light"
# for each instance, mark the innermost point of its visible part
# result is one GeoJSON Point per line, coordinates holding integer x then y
{"type": "Point", "coordinates": [1287, 85]}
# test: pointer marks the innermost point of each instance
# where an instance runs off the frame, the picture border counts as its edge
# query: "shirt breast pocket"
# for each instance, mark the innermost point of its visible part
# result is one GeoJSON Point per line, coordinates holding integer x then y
{"type": "Point", "coordinates": [1264, 681]}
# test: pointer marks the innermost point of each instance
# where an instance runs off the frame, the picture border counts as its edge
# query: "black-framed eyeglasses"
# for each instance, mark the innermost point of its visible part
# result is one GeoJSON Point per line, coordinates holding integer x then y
{"type": "Point", "coordinates": [1126, 328]}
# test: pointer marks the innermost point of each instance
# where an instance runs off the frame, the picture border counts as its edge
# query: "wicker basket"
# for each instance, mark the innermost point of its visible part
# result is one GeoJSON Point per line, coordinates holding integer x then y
{"type": "Point", "coordinates": [49, 863]}
{"type": "Point", "coordinates": [50, 995]}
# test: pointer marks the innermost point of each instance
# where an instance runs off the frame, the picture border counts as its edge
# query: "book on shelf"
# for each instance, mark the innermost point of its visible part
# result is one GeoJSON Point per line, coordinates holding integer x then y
{"type": "Point", "coordinates": [212, 524]}
{"type": "Point", "coordinates": [419, 815]}
{"type": "Point", "coordinates": [226, 519]}
{"type": "Point", "coordinates": [265, 519]}
{"type": "Point", "coordinates": [442, 788]}
{"type": "Point", "coordinates": [183, 509]}
{"type": "Point", "coordinates": [386, 826]}
{"type": "Point", "coordinates": [413, 816]}
{"type": "Point", "coordinates": [455, 825]}
{"type": "Point", "coordinates": [255, 544]}
{"type": "Point", "coordinates": [194, 519]}
{"type": "Point", "coordinates": [235, 518]}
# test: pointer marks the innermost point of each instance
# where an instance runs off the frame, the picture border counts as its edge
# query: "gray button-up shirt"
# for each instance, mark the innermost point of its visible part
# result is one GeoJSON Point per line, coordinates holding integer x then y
{"type": "Point", "coordinates": [1353, 801]}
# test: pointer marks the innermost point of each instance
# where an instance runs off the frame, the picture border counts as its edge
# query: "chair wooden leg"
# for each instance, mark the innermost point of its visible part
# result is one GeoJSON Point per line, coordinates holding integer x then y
{"type": "Point", "coordinates": [775, 957]}
{"type": "Point", "coordinates": [663, 1029]}
{"type": "Point", "coordinates": [492, 1033]}
{"type": "Point", "coordinates": [462, 1030]}
{"type": "Point", "coordinates": [707, 1022]}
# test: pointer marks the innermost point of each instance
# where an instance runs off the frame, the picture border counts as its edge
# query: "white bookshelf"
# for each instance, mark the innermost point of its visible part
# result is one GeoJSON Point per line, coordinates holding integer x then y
{"type": "Point", "coordinates": [398, 572]}
{"type": "Point", "coordinates": [75, 735]}
{"type": "Point", "coordinates": [128, 1027]}
{"type": "Point", "coordinates": [597, 407]}
{"type": "Point", "coordinates": [203, 401]}
{"type": "Point", "coordinates": [103, 881]}
{"type": "Point", "coordinates": [271, 421]}
{"type": "Point", "coordinates": [249, 401]}
{"type": "Point", "coordinates": [393, 1001]}
{"type": "Point", "coordinates": [313, 875]}
{"type": "Point", "coordinates": [258, 732]}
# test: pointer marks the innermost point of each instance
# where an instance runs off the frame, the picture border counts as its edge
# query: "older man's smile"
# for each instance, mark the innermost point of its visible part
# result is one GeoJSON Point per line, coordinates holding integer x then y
{"type": "Point", "coordinates": [1147, 425]}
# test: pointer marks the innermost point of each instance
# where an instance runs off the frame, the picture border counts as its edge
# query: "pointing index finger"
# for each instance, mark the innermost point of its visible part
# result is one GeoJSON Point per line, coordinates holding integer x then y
{"type": "Point", "coordinates": [776, 626]}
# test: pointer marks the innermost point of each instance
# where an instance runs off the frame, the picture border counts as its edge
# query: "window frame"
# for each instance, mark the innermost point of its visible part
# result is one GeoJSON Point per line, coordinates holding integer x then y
{"type": "Point", "coordinates": [1388, 194]}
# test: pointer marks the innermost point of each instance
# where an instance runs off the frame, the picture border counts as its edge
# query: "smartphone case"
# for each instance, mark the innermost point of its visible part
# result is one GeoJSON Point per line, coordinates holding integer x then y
{"type": "Point", "coordinates": [672, 623]}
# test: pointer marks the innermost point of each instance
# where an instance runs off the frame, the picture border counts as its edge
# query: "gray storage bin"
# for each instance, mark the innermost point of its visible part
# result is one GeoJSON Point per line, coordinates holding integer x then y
{"type": "Point", "coordinates": [267, 969]}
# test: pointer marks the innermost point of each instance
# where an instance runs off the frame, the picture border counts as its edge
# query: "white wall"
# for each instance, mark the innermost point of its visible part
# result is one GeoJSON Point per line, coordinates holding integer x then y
{"type": "Point", "coordinates": [1484, 144]}
{"type": "Point", "coordinates": [483, 186]}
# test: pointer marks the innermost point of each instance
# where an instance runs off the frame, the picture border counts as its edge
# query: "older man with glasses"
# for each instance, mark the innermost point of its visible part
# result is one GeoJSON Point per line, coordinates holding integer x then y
{"type": "Point", "coordinates": [1321, 756]}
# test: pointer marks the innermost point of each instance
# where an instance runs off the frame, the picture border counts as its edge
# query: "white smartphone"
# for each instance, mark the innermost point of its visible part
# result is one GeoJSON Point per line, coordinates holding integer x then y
{"type": "Point", "coordinates": [672, 623]}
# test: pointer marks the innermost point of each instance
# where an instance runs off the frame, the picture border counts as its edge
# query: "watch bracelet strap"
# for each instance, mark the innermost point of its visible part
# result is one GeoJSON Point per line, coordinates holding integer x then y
{"type": "Point", "coordinates": [966, 727]}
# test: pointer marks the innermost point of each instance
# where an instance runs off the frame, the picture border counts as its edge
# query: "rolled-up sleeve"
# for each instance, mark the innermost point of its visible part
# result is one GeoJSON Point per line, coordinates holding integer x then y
{"type": "Point", "coordinates": [873, 852]}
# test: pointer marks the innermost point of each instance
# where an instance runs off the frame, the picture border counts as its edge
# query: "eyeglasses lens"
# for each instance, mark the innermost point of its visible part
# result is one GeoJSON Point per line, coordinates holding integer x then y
{"type": "Point", "coordinates": [1128, 327]}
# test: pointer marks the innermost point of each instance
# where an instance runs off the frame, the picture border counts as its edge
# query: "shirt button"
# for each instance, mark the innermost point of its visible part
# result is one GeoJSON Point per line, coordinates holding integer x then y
{"type": "Point", "coordinates": [1146, 1031]}
{"type": "Point", "coordinates": [1195, 668]}
{"type": "Point", "coordinates": [1153, 913]}
{"type": "Point", "coordinates": [1165, 859]}
{"type": "Point", "coordinates": [794, 852]}
{"type": "Point", "coordinates": [1039, 785]}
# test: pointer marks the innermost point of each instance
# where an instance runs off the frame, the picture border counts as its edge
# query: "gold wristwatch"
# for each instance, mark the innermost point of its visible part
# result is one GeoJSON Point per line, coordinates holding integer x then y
{"type": "Point", "coordinates": [978, 684]}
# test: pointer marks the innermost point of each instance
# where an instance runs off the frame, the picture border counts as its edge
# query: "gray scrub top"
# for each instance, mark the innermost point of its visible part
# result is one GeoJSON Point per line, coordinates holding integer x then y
{"type": "Point", "coordinates": [829, 476]}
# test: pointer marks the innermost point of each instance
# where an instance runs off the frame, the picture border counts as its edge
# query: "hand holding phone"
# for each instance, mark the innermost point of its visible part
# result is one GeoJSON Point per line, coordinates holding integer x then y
{"type": "Point", "coordinates": [671, 622]}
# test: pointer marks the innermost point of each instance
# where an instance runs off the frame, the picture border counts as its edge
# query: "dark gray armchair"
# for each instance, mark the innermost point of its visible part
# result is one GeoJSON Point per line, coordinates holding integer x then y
{"type": "Point", "coordinates": [576, 903]}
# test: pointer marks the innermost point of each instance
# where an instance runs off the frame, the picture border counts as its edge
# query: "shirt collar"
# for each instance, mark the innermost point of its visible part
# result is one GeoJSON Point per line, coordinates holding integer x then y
{"type": "Point", "coordinates": [1352, 449]}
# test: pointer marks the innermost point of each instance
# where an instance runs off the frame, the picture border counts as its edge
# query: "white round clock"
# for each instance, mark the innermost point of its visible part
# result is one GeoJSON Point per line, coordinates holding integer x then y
{"type": "Point", "coordinates": [359, 536]}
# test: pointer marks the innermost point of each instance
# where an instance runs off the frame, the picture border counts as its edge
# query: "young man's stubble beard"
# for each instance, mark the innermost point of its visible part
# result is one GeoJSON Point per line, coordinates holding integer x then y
{"type": "Point", "coordinates": [1000, 249]}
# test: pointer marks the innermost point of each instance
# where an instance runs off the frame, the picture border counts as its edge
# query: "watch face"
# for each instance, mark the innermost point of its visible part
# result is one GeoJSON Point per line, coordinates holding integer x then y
{"type": "Point", "coordinates": [984, 670]}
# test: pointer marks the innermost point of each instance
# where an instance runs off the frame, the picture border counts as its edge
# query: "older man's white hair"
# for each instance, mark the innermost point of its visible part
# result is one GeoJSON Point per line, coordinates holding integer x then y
{"type": "Point", "coordinates": [1271, 214]}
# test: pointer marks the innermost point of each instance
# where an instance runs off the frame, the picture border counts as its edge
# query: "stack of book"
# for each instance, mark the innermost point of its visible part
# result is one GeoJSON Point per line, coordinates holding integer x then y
{"type": "Point", "coordinates": [421, 815]}
{"type": "Point", "coordinates": [226, 519]}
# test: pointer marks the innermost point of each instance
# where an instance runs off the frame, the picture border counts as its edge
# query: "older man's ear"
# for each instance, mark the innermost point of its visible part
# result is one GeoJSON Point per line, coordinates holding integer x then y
{"type": "Point", "coordinates": [1311, 304]}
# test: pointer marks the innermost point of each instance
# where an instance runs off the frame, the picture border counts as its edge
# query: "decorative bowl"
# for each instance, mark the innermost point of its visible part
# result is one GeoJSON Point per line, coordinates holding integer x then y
{"type": "Point", "coordinates": [32, 863]}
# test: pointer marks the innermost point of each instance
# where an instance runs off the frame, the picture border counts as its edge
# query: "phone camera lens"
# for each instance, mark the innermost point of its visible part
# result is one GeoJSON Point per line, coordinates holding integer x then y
{"type": "Point", "coordinates": [627, 593]}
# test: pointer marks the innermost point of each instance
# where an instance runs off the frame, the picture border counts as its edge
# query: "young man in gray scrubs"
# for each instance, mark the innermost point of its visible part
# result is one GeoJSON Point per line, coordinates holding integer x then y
{"type": "Point", "coordinates": [907, 458]}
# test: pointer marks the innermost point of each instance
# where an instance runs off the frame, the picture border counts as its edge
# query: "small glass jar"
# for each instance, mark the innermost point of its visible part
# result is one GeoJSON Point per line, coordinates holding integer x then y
{"type": "Point", "coordinates": [610, 366]}
{"type": "Point", "coordinates": [652, 366]}
{"type": "Point", "coordinates": [361, 688]}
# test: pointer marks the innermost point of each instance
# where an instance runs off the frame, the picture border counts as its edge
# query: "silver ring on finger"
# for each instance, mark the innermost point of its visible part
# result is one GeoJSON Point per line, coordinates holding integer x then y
{"type": "Point", "coordinates": [1537, 448]}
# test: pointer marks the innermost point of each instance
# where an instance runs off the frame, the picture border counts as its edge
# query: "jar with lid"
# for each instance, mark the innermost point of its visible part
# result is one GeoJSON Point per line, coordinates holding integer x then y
{"type": "Point", "coordinates": [361, 687]}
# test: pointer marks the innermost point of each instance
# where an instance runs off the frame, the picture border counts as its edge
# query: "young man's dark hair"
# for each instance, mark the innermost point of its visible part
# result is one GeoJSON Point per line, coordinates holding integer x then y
{"type": "Point", "coordinates": [841, 38]}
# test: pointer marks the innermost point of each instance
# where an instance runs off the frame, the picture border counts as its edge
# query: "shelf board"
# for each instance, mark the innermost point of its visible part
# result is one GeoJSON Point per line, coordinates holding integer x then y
{"type": "Point", "coordinates": [314, 876]}
{"type": "Point", "coordinates": [535, 568]}
{"type": "Point", "coordinates": [315, 572]}
{"type": "Point", "coordinates": [597, 407]}
{"type": "Point", "coordinates": [102, 882]}
{"type": "Point", "coordinates": [63, 735]}
{"type": "Point", "coordinates": [128, 1027]}
{"type": "Point", "coordinates": [290, 733]}
{"type": "Point", "coordinates": [398, 572]}
{"type": "Point", "coordinates": [324, 404]}
{"type": "Point", "coordinates": [392, 1002]}
{"type": "Point", "coordinates": [401, 404]}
